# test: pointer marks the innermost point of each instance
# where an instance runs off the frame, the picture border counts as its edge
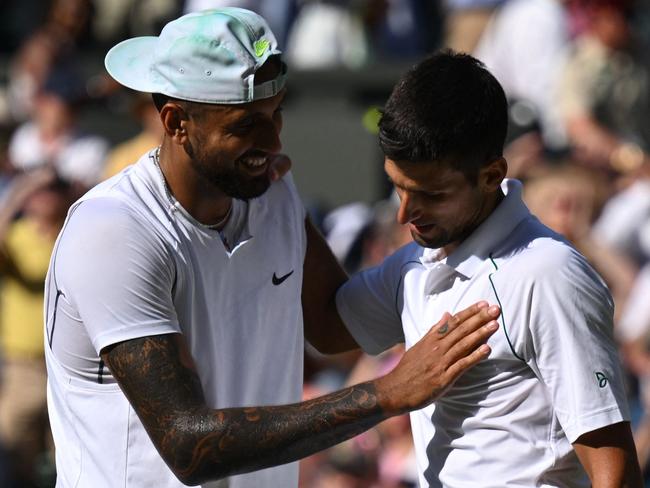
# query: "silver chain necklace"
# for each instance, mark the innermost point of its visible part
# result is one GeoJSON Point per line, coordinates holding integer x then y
{"type": "Point", "coordinates": [218, 226]}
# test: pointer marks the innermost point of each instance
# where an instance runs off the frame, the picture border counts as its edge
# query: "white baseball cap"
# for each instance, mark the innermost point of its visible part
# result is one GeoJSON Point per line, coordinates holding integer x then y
{"type": "Point", "coordinates": [208, 57]}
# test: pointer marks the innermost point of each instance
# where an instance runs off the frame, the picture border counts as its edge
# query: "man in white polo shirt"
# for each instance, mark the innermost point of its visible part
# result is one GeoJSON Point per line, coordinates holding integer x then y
{"type": "Point", "coordinates": [548, 408]}
{"type": "Point", "coordinates": [173, 298]}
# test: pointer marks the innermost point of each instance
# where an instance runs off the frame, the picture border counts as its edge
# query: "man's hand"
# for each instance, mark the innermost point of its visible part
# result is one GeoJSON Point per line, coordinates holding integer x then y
{"type": "Point", "coordinates": [431, 366]}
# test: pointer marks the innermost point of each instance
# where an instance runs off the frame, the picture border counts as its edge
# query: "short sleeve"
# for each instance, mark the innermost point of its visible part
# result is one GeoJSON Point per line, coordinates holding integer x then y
{"type": "Point", "coordinates": [116, 272]}
{"type": "Point", "coordinates": [574, 352]}
{"type": "Point", "coordinates": [369, 304]}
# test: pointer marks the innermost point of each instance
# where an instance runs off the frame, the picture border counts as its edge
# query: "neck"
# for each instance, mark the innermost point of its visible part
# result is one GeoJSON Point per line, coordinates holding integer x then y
{"type": "Point", "coordinates": [207, 204]}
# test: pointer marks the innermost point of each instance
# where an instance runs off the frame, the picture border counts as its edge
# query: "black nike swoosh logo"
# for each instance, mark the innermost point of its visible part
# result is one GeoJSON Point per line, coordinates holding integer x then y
{"type": "Point", "coordinates": [277, 281]}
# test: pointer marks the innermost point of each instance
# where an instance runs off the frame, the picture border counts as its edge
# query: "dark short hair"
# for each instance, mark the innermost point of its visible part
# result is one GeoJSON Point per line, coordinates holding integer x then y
{"type": "Point", "coordinates": [446, 109]}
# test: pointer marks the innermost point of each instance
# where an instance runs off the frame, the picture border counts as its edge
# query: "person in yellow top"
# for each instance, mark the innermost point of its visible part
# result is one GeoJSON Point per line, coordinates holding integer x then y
{"type": "Point", "coordinates": [127, 152]}
{"type": "Point", "coordinates": [26, 244]}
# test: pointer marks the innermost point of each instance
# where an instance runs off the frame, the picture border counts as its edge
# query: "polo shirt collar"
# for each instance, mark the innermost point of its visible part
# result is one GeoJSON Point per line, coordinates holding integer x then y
{"type": "Point", "coordinates": [474, 250]}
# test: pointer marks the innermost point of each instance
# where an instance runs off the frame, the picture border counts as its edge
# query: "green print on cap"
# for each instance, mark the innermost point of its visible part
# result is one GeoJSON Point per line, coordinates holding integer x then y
{"type": "Point", "coordinates": [261, 46]}
{"type": "Point", "coordinates": [602, 379]}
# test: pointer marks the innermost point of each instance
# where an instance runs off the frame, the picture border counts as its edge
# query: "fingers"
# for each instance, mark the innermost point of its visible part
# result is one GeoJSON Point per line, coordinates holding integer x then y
{"type": "Point", "coordinates": [463, 334]}
{"type": "Point", "coordinates": [468, 324]}
{"type": "Point", "coordinates": [470, 318]}
{"type": "Point", "coordinates": [465, 362]}
{"type": "Point", "coordinates": [442, 326]}
{"type": "Point", "coordinates": [466, 345]}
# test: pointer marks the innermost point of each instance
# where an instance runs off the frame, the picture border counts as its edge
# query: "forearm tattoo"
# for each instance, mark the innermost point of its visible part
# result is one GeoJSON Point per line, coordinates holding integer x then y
{"type": "Point", "coordinates": [199, 443]}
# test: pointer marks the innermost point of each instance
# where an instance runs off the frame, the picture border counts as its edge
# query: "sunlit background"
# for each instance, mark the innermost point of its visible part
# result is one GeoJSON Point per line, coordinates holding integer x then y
{"type": "Point", "coordinates": [577, 75]}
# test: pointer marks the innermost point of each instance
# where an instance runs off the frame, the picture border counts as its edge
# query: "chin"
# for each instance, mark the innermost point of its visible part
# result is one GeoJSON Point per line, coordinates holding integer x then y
{"type": "Point", "coordinates": [250, 189]}
{"type": "Point", "coordinates": [432, 242]}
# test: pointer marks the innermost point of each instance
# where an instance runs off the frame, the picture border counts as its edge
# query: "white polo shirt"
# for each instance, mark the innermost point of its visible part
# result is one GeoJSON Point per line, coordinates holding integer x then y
{"type": "Point", "coordinates": [553, 373]}
{"type": "Point", "coordinates": [129, 263]}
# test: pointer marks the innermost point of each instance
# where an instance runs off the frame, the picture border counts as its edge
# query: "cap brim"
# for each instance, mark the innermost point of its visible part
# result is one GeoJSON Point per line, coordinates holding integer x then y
{"type": "Point", "coordinates": [129, 62]}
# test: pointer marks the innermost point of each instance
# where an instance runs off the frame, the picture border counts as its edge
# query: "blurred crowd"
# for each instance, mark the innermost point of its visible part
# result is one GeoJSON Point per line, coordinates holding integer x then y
{"type": "Point", "coordinates": [577, 75]}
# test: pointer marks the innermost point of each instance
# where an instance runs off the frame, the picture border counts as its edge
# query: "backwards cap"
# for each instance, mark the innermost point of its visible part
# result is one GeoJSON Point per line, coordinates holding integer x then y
{"type": "Point", "coordinates": [208, 57]}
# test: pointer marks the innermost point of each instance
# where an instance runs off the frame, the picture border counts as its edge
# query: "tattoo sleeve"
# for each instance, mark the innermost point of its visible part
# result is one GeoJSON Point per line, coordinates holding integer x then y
{"type": "Point", "coordinates": [198, 443]}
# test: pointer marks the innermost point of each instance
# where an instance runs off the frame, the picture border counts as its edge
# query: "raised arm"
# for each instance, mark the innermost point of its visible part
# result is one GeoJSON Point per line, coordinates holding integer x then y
{"type": "Point", "coordinates": [322, 276]}
{"type": "Point", "coordinates": [158, 376]}
{"type": "Point", "coordinates": [609, 457]}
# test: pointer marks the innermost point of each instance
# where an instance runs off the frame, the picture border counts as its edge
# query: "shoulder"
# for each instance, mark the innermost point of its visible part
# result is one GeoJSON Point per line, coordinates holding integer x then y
{"type": "Point", "coordinates": [395, 265]}
{"type": "Point", "coordinates": [408, 253]}
{"type": "Point", "coordinates": [108, 219]}
{"type": "Point", "coordinates": [281, 203]}
{"type": "Point", "coordinates": [536, 254]}
{"type": "Point", "coordinates": [284, 188]}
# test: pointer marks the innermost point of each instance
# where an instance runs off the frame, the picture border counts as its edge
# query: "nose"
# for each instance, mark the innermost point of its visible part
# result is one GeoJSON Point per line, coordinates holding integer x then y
{"type": "Point", "coordinates": [408, 210]}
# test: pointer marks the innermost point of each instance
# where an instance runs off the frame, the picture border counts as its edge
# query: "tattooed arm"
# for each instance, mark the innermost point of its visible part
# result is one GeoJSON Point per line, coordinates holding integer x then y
{"type": "Point", "coordinates": [158, 376]}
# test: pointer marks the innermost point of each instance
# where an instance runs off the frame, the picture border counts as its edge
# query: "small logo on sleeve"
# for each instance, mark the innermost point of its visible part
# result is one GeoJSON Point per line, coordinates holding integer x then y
{"type": "Point", "coordinates": [602, 379]}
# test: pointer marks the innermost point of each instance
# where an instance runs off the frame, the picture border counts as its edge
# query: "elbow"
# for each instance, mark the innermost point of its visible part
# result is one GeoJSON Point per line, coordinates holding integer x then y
{"type": "Point", "coordinates": [187, 450]}
{"type": "Point", "coordinates": [195, 476]}
{"type": "Point", "coordinates": [193, 480]}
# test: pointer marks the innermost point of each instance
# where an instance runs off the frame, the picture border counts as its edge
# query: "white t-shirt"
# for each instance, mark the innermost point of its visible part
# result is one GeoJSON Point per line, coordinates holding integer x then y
{"type": "Point", "coordinates": [130, 264]}
{"type": "Point", "coordinates": [625, 221]}
{"type": "Point", "coordinates": [76, 157]}
{"type": "Point", "coordinates": [553, 373]}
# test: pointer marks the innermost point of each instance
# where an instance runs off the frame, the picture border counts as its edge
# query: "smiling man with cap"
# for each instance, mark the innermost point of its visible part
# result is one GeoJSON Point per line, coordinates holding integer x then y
{"type": "Point", "coordinates": [174, 291]}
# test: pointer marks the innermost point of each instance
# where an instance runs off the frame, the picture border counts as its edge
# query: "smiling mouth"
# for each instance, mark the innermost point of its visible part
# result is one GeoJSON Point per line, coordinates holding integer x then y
{"type": "Point", "coordinates": [254, 165]}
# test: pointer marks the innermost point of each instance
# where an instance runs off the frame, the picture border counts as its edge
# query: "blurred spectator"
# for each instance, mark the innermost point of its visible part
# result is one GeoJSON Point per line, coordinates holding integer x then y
{"type": "Point", "coordinates": [118, 19]}
{"type": "Point", "coordinates": [353, 34]}
{"type": "Point", "coordinates": [70, 20]}
{"type": "Point", "coordinates": [401, 29]}
{"type": "Point", "coordinates": [342, 228]}
{"type": "Point", "coordinates": [53, 138]}
{"type": "Point", "coordinates": [362, 236]}
{"type": "Point", "coordinates": [326, 34]}
{"type": "Point", "coordinates": [29, 69]}
{"type": "Point", "coordinates": [524, 46]}
{"type": "Point", "coordinates": [278, 13]}
{"type": "Point", "coordinates": [604, 94]}
{"type": "Point", "coordinates": [625, 221]}
{"type": "Point", "coordinates": [51, 45]}
{"type": "Point", "coordinates": [7, 171]}
{"type": "Point", "coordinates": [130, 151]}
{"type": "Point", "coordinates": [465, 22]}
{"type": "Point", "coordinates": [26, 245]}
{"type": "Point", "coordinates": [568, 199]}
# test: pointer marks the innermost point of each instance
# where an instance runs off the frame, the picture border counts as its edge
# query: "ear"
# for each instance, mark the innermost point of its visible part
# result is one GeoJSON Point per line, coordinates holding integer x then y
{"type": "Point", "coordinates": [175, 120]}
{"type": "Point", "coordinates": [492, 174]}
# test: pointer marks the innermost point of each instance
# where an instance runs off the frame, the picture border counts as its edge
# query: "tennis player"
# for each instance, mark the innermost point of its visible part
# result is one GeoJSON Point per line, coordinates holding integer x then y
{"type": "Point", "coordinates": [548, 407]}
{"type": "Point", "coordinates": [174, 323]}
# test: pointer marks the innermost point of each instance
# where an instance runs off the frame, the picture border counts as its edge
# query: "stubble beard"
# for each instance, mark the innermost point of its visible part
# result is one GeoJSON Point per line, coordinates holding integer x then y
{"type": "Point", "coordinates": [227, 179]}
{"type": "Point", "coordinates": [454, 236]}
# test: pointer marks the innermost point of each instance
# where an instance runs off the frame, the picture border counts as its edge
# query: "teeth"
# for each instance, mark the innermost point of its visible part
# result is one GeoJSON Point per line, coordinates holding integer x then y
{"type": "Point", "coordinates": [255, 162]}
